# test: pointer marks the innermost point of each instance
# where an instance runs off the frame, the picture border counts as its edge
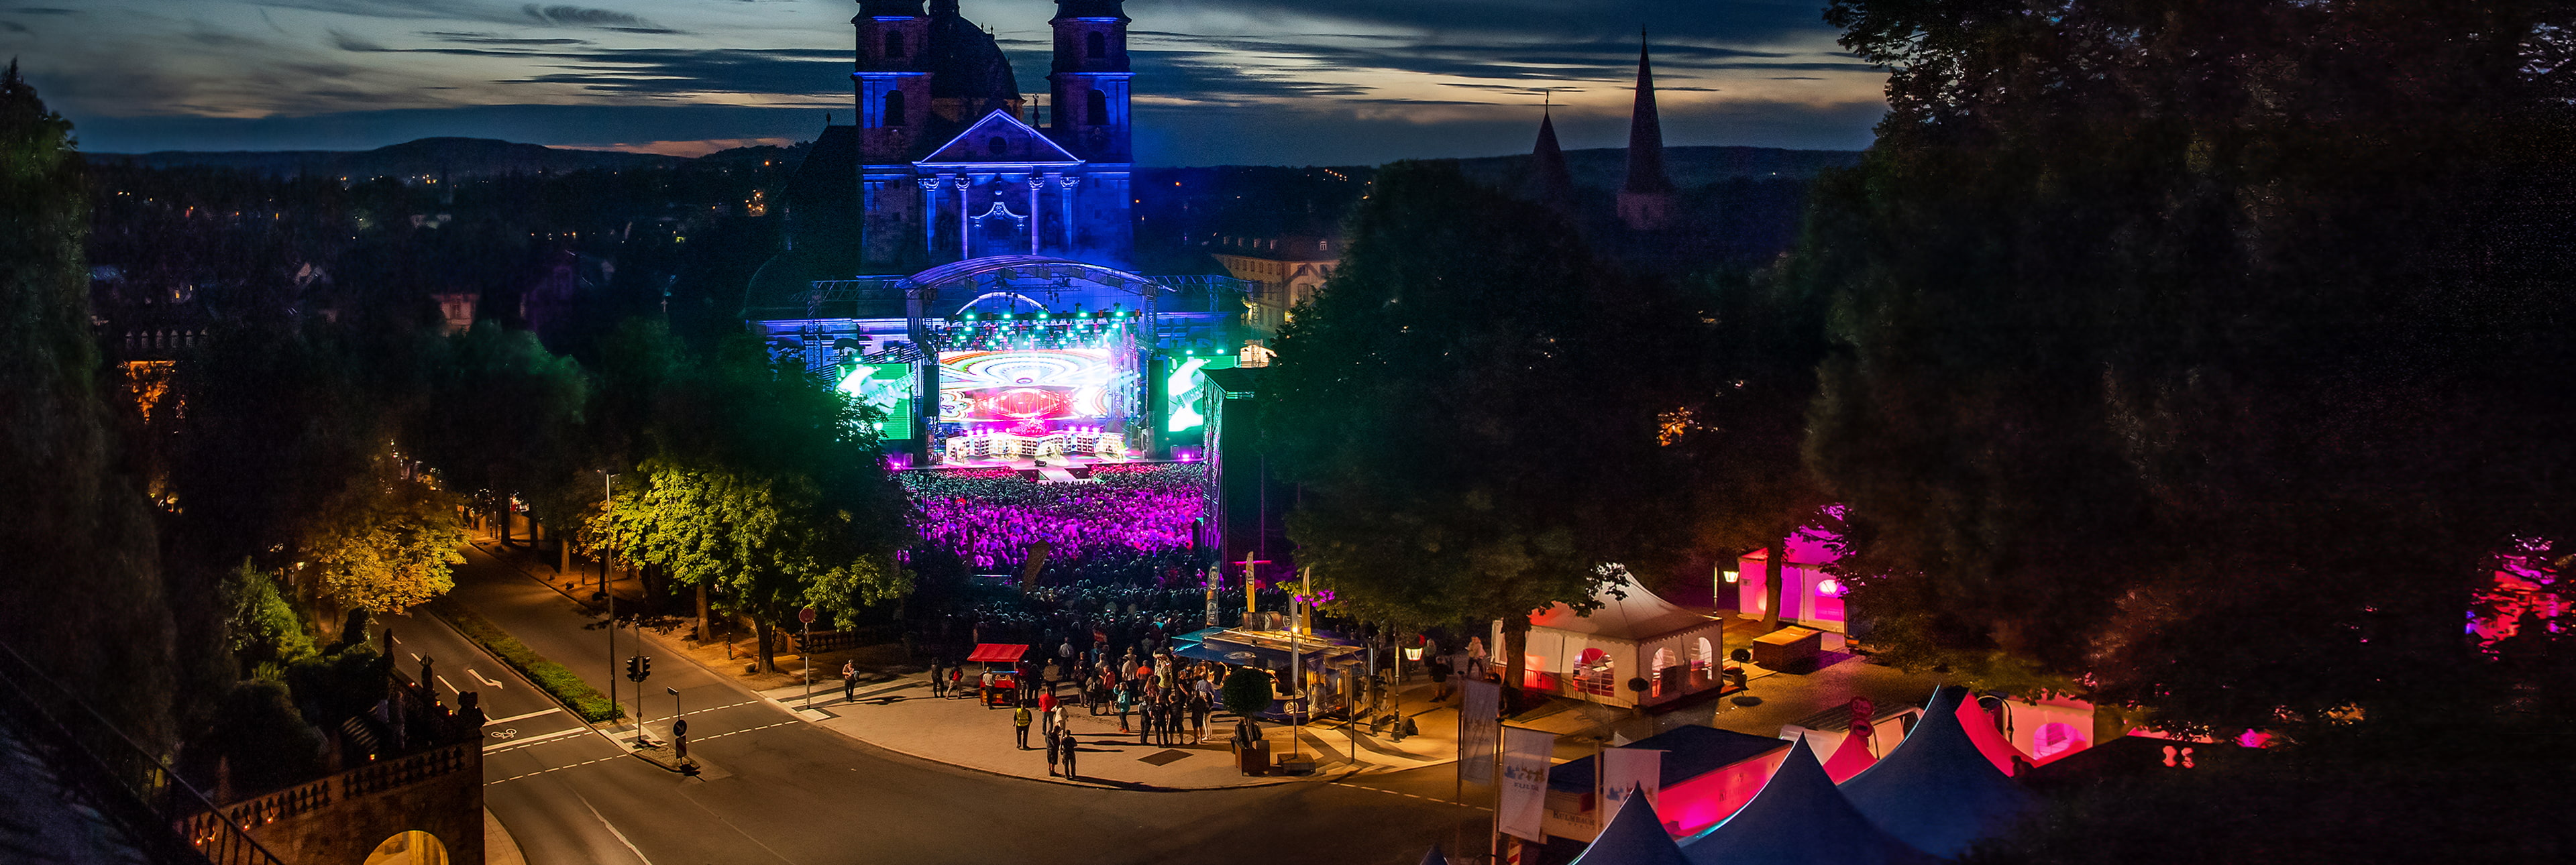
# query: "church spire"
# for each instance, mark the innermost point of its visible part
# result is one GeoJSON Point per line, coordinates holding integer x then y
{"type": "Point", "coordinates": [1550, 183]}
{"type": "Point", "coordinates": [1645, 200]}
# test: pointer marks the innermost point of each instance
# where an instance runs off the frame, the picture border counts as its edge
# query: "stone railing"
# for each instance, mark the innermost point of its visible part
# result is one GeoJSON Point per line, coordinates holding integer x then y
{"type": "Point", "coordinates": [370, 779]}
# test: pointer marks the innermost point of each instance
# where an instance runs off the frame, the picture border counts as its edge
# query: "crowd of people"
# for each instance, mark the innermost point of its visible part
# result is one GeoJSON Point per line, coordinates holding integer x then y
{"type": "Point", "coordinates": [1123, 522]}
{"type": "Point", "coordinates": [1161, 700]}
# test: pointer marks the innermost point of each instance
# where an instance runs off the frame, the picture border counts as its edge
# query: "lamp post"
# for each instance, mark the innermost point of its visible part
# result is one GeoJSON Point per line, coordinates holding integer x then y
{"type": "Point", "coordinates": [607, 499]}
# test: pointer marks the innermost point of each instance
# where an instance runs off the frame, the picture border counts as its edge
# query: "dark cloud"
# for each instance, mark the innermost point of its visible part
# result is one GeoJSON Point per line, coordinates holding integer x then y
{"type": "Point", "coordinates": [42, 10]}
{"type": "Point", "coordinates": [580, 16]}
{"type": "Point", "coordinates": [361, 130]}
{"type": "Point", "coordinates": [15, 27]}
{"type": "Point", "coordinates": [1735, 20]}
{"type": "Point", "coordinates": [346, 41]}
{"type": "Point", "coordinates": [489, 39]}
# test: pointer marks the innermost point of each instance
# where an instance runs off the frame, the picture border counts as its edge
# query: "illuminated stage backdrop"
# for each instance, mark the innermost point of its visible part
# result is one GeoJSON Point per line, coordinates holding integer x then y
{"type": "Point", "coordinates": [1185, 390]}
{"type": "Point", "coordinates": [1027, 391]}
{"type": "Point", "coordinates": [888, 388]}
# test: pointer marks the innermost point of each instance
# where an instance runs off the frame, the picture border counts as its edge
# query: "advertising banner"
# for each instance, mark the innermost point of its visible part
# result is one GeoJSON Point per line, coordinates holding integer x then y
{"type": "Point", "coordinates": [1480, 725]}
{"type": "Point", "coordinates": [1626, 769]}
{"type": "Point", "coordinates": [1520, 809]}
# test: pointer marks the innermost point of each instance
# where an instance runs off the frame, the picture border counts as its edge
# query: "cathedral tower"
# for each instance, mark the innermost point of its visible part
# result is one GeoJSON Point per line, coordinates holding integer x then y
{"type": "Point", "coordinates": [1551, 184]}
{"type": "Point", "coordinates": [1088, 89]}
{"type": "Point", "coordinates": [1646, 199]}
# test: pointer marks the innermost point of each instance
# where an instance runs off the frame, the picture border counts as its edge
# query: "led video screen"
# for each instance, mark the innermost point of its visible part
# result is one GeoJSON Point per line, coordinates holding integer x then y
{"type": "Point", "coordinates": [887, 387]}
{"type": "Point", "coordinates": [1186, 389]}
{"type": "Point", "coordinates": [1025, 386]}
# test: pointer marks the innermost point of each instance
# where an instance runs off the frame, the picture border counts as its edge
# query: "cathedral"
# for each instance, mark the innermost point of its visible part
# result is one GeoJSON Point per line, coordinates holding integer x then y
{"type": "Point", "coordinates": [960, 256]}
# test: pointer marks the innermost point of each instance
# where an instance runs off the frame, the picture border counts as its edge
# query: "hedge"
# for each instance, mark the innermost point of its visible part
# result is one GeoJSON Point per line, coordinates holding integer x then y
{"type": "Point", "coordinates": [568, 689]}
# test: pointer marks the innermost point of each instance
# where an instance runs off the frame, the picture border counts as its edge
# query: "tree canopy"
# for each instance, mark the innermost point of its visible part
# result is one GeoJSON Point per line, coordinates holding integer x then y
{"type": "Point", "coordinates": [2186, 352]}
{"type": "Point", "coordinates": [1473, 406]}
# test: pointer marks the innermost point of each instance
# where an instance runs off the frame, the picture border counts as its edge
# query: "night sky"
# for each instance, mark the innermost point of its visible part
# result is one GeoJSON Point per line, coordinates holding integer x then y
{"type": "Point", "coordinates": [1217, 81]}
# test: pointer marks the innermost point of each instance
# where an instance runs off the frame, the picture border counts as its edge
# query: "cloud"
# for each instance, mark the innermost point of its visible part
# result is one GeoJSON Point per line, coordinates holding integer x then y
{"type": "Point", "coordinates": [346, 41]}
{"type": "Point", "coordinates": [579, 16]}
{"type": "Point", "coordinates": [15, 27]}
{"type": "Point", "coordinates": [489, 39]}
{"type": "Point", "coordinates": [42, 10]}
{"type": "Point", "coordinates": [1744, 21]}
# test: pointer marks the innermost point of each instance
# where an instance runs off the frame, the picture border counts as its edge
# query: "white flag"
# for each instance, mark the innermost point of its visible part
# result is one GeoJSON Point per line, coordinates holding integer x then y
{"type": "Point", "coordinates": [1480, 724]}
{"type": "Point", "coordinates": [1521, 809]}
{"type": "Point", "coordinates": [1626, 769]}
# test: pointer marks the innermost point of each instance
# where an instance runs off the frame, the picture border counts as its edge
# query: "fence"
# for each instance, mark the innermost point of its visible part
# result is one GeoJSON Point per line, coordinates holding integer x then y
{"type": "Point", "coordinates": [135, 786]}
{"type": "Point", "coordinates": [306, 798]}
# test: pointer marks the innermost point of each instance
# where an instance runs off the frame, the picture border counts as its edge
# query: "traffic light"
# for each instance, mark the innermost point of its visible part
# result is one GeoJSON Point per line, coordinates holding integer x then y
{"type": "Point", "coordinates": [638, 668]}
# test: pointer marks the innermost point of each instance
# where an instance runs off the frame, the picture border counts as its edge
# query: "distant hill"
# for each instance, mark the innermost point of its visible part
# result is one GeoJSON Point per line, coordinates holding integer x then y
{"type": "Point", "coordinates": [1605, 168]}
{"type": "Point", "coordinates": [427, 157]}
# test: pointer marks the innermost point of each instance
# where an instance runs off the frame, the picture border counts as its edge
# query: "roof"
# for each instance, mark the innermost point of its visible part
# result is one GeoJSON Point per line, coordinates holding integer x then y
{"type": "Point", "coordinates": [1645, 135]}
{"type": "Point", "coordinates": [1635, 836]}
{"type": "Point", "coordinates": [1850, 758]}
{"type": "Point", "coordinates": [1799, 818]}
{"type": "Point", "coordinates": [1237, 380]}
{"type": "Point", "coordinates": [964, 63]}
{"type": "Point", "coordinates": [1689, 752]}
{"type": "Point", "coordinates": [999, 138]}
{"type": "Point", "coordinates": [997, 653]}
{"type": "Point", "coordinates": [1937, 791]}
{"type": "Point", "coordinates": [1627, 612]}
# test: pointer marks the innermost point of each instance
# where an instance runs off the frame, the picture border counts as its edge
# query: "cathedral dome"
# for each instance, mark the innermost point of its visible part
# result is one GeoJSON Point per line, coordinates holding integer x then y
{"type": "Point", "coordinates": [964, 61]}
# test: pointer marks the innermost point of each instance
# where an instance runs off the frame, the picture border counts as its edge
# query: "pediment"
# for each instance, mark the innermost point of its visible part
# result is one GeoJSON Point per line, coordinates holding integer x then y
{"type": "Point", "coordinates": [999, 139]}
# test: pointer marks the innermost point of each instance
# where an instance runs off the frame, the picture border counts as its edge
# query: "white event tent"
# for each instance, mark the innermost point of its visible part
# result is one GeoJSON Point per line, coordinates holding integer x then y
{"type": "Point", "coordinates": [1633, 633]}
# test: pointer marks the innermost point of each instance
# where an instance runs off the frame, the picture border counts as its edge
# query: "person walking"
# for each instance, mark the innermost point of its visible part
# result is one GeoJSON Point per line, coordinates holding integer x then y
{"type": "Point", "coordinates": [1198, 716]}
{"type": "Point", "coordinates": [1020, 719]}
{"type": "Point", "coordinates": [849, 680]}
{"type": "Point", "coordinates": [1126, 700]}
{"type": "Point", "coordinates": [1046, 712]}
{"type": "Point", "coordinates": [957, 680]}
{"type": "Point", "coordinates": [938, 678]}
{"type": "Point", "coordinates": [1070, 749]}
{"type": "Point", "coordinates": [1054, 742]}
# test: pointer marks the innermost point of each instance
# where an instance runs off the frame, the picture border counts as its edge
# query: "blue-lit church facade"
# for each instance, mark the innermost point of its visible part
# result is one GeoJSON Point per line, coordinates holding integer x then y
{"type": "Point", "coordinates": [966, 269]}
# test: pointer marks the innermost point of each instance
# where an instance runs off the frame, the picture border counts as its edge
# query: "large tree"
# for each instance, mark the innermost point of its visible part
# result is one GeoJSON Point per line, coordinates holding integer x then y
{"type": "Point", "coordinates": [80, 591]}
{"type": "Point", "coordinates": [766, 484]}
{"type": "Point", "coordinates": [2190, 351]}
{"type": "Point", "coordinates": [1473, 406]}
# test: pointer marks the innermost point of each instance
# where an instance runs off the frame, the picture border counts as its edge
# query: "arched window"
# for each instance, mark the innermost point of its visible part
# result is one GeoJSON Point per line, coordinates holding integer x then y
{"type": "Point", "coordinates": [894, 44]}
{"type": "Point", "coordinates": [1094, 45]}
{"type": "Point", "coordinates": [894, 108]}
{"type": "Point", "coordinates": [1095, 108]}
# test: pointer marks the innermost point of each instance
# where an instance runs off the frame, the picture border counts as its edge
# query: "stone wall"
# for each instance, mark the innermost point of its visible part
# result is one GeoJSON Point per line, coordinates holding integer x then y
{"type": "Point", "coordinates": [340, 819]}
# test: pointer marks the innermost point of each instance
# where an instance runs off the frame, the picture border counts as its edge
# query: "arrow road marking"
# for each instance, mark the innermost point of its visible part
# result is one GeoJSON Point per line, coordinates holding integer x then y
{"type": "Point", "coordinates": [479, 678]}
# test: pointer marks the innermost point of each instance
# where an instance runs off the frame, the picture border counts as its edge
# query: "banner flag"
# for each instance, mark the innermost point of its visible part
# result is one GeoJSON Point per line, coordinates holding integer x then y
{"type": "Point", "coordinates": [1625, 769]}
{"type": "Point", "coordinates": [1480, 724]}
{"type": "Point", "coordinates": [1520, 809]}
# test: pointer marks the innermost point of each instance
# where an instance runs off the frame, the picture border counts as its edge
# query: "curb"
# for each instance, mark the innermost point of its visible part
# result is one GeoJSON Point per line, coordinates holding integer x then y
{"type": "Point", "coordinates": [682, 651]}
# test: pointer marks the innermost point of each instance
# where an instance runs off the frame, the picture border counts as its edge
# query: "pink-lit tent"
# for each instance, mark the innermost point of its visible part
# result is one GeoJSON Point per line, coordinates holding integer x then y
{"type": "Point", "coordinates": [1850, 758]}
{"type": "Point", "coordinates": [1937, 791]}
{"type": "Point", "coordinates": [1635, 836]}
{"type": "Point", "coordinates": [1797, 819]}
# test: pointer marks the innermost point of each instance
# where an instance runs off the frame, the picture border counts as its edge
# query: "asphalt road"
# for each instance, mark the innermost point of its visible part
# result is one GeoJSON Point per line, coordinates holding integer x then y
{"type": "Point", "coordinates": [778, 790]}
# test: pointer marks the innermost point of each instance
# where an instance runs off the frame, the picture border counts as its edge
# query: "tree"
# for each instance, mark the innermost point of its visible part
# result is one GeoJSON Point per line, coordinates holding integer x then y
{"type": "Point", "coordinates": [82, 595]}
{"type": "Point", "coordinates": [1472, 406]}
{"type": "Point", "coordinates": [501, 417]}
{"type": "Point", "coordinates": [259, 625]}
{"type": "Point", "coordinates": [1247, 691]}
{"type": "Point", "coordinates": [768, 486]}
{"type": "Point", "coordinates": [385, 543]}
{"type": "Point", "coordinates": [2184, 350]}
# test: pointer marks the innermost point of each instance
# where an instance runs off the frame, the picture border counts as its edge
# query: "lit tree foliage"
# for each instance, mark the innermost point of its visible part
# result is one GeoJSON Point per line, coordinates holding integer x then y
{"type": "Point", "coordinates": [385, 543]}
{"type": "Point", "coordinates": [768, 487]}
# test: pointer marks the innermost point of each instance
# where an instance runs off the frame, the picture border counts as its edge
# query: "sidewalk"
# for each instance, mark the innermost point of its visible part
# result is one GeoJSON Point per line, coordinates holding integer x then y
{"type": "Point", "coordinates": [894, 710]}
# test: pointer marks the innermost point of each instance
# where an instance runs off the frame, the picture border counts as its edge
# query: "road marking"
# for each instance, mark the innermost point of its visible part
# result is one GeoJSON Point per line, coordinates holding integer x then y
{"type": "Point", "coordinates": [526, 716]}
{"type": "Point", "coordinates": [443, 681]}
{"type": "Point", "coordinates": [517, 743]}
{"type": "Point", "coordinates": [612, 829]}
{"type": "Point", "coordinates": [743, 730]}
{"type": "Point", "coordinates": [557, 769]}
{"type": "Point", "coordinates": [1409, 795]}
{"type": "Point", "coordinates": [479, 678]}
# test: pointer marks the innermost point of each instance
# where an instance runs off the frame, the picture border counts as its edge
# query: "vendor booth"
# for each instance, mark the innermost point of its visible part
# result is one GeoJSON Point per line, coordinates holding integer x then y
{"type": "Point", "coordinates": [1331, 666]}
{"type": "Point", "coordinates": [1633, 634]}
{"type": "Point", "coordinates": [1002, 661]}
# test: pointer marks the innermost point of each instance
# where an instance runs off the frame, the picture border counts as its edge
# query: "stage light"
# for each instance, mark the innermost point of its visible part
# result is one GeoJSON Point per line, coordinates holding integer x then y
{"type": "Point", "coordinates": [1732, 576]}
{"type": "Point", "coordinates": [1829, 587]}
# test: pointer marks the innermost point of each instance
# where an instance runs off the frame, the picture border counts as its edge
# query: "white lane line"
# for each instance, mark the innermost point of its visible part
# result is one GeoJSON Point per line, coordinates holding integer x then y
{"type": "Point", "coordinates": [612, 829]}
{"type": "Point", "coordinates": [517, 743]}
{"type": "Point", "coordinates": [526, 716]}
{"type": "Point", "coordinates": [479, 678]}
{"type": "Point", "coordinates": [443, 681]}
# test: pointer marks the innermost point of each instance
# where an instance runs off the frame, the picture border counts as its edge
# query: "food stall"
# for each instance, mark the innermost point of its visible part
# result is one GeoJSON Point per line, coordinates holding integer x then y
{"type": "Point", "coordinates": [1002, 660]}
